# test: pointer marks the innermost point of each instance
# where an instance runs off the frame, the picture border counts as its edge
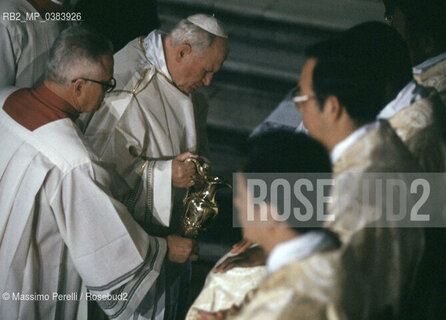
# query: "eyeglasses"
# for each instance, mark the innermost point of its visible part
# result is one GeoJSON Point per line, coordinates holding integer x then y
{"type": "Point", "coordinates": [300, 98]}
{"type": "Point", "coordinates": [107, 86]}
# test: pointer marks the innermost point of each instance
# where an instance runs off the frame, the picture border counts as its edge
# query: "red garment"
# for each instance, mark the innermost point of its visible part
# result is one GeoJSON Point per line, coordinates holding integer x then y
{"type": "Point", "coordinates": [33, 108]}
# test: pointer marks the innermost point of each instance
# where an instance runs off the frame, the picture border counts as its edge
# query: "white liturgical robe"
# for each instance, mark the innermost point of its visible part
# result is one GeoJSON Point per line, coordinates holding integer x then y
{"type": "Point", "coordinates": [144, 124]}
{"type": "Point", "coordinates": [24, 43]}
{"type": "Point", "coordinates": [62, 233]}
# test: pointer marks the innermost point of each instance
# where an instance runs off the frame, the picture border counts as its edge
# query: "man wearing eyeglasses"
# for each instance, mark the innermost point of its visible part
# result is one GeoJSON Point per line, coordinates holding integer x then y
{"type": "Point", "coordinates": [64, 239]}
{"type": "Point", "coordinates": [343, 86]}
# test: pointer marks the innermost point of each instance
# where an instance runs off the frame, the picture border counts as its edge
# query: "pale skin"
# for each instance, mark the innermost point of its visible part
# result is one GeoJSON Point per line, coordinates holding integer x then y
{"type": "Point", "coordinates": [83, 95]}
{"type": "Point", "coordinates": [330, 125]}
{"type": "Point", "coordinates": [191, 68]}
{"type": "Point", "coordinates": [182, 172]}
{"type": "Point", "coordinates": [86, 96]}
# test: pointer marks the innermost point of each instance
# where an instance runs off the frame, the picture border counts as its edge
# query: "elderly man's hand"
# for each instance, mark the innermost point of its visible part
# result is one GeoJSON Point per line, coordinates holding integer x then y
{"type": "Point", "coordinates": [251, 257]}
{"type": "Point", "coordinates": [182, 171]}
{"type": "Point", "coordinates": [180, 249]}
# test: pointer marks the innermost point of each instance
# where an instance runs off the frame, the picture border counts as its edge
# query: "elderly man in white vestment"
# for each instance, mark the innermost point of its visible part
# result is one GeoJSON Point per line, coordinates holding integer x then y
{"type": "Point", "coordinates": [155, 120]}
{"type": "Point", "coordinates": [26, 42]}
{"type": "Point", "coordinates": [343, 86]}
{"type": "Point", "coordinates": [64, 239]}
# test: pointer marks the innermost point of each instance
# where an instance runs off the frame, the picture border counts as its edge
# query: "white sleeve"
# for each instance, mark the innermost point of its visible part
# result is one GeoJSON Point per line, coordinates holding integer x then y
{"type": "Point", "coordinates": [150, 179]}
{"type": "Point", "coordinates": [111, 252]}
{"type": "Point", "coordinates": [7, 57]}
{"type": "Point", "coordinates": [151, 198]}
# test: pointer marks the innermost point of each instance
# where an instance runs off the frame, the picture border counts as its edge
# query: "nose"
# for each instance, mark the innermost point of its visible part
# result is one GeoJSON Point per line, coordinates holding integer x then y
{"type": "Point", "coordinates": [208, 79]}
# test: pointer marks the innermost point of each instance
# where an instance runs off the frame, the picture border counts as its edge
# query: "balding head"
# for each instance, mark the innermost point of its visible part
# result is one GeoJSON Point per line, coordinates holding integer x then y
{"type": "Point", "coordinates": [80, 68]}
{"type": "Point", "coordinates": [77, 52]}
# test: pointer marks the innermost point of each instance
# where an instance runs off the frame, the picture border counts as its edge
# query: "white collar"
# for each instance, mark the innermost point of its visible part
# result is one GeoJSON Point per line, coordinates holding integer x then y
{"type": "Point", "coordinates": [297, 248]}
{"type": "Point", "coordinates": [155, 52]}
{"type": "Point", "coordinates": [411, 93]}
{"type": "Point", "coordinates": [425, 65]}
{"type": "Point", "coordinates": [339, 148]}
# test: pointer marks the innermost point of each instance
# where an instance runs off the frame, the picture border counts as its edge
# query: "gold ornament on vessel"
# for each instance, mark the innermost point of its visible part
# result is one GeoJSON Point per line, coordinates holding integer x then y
{"type": "Point", "coordinates": [199, 202]}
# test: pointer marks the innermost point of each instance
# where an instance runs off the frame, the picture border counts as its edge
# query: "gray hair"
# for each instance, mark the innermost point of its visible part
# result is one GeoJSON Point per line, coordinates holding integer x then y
{"type": "Point", "coordinates": [75, 50]}
{"type": "Point", "coordinates": [187, 32]}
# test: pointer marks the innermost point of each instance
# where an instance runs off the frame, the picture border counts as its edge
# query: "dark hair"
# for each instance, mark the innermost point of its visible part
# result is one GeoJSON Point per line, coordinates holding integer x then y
{"type": "Point", "coordinates": [424, 18]}
{"type": "Point", "coordinates": [73, 48]}
{"type": "Point", "coordinates": [365, 67]}
{"type": "Point", "coordinates": [284, 151]}
{"type": "Point", "coordinates": [281, 150]}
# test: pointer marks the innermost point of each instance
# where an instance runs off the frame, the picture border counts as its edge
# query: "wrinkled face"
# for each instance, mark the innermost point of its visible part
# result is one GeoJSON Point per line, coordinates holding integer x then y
{"type": "Point", "coordinates": [197, 70]}
{"type": "Point", "coordinates": [312, 116]}
{"type": "Point", "coordinates": [95, 92]}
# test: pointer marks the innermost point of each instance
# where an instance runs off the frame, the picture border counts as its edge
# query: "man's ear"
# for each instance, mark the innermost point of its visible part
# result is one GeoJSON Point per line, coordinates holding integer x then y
{"type": "Point", "coordinates": [333, 108]}
{"type": "Point", "coordinates": [183, 51]}
{"type": "Point", "coordinates": [77, 87]}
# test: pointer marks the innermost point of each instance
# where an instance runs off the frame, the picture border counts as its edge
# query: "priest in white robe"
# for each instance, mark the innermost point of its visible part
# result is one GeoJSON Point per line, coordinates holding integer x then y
{"type": "Point", "coordinates": [155, 120]}
{"type": "Point", "coordinates": [64, 239]}
{"type": "Point", "coordinates": [154, 115]}
{"type": "Point", "coordinates": [26, 41]}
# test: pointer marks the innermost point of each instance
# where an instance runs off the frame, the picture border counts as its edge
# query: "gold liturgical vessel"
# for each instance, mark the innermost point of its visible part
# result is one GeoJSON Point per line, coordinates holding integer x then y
{"type": "Point", "coordinates": [199, 202]}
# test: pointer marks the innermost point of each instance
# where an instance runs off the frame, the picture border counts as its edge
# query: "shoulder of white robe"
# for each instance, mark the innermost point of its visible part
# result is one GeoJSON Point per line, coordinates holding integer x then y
{"type": "Point", "coordinates": [5, 92]}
